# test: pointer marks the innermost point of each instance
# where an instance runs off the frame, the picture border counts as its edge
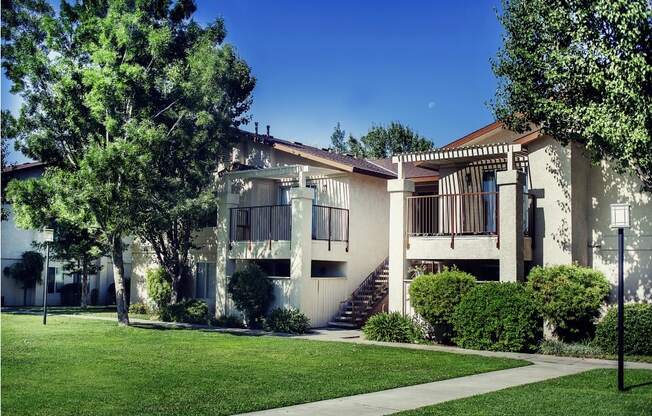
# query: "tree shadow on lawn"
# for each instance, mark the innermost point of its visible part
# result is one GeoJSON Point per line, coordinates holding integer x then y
{"type": "Point", "coordinates": [219, 330]}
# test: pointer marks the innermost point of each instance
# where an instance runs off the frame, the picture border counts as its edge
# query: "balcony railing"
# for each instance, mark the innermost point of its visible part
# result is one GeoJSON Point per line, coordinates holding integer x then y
{"type": "Point", "coordinates": [476, 213]}
{"type": "Point", "coordinates": [274, 223]}
{"type": "Point", "coordinates": [330, 224]}
{"type": "Point", "coordinates": [261, 223]}
{"type": "Point", "coordinates": [450, 214]}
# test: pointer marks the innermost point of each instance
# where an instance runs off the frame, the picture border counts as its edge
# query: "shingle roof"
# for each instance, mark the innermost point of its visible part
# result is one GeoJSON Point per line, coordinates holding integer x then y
{"type": "Point", "coordinates": [410, 170]}
{"type": "Point", "coordinates": [337, 160]}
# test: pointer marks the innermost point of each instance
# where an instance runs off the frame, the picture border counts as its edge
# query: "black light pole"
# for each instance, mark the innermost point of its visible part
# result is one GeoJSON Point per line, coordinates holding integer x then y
{"type": "Point", "coordinates": [620, 220]}
{"type": "Point", "coordinates": [621, 320]}
{"type": "Point", "coordinates": [48, 237]}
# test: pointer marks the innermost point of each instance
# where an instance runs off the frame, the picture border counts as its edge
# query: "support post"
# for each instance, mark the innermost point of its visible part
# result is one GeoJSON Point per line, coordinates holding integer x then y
{"type": "Point", "coordinates": [510, 201]}
{"type": "Point", "coordinates": [223, 265]}
{"type": "Point", "coordinates": [301, 251]}
{"type": "Point", "coordinates": [398, 190]}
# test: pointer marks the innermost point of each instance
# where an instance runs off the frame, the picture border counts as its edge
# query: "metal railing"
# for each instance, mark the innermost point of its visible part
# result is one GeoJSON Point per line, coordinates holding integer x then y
{"type": "Point", "coordinates": [330, 224]}
{"type": "Point", "coordinates": [274, 223]}
{"type": "Point", "coordinates": [451, 214]}
{"type": "Point", "coordinates": [261, 223]}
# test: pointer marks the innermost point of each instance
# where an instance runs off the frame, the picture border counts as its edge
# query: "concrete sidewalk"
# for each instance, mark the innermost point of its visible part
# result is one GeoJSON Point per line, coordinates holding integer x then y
{"type": "Point", "coordinates": [406, 398]}
{"type": "Point", "coordinates": [386, 402]}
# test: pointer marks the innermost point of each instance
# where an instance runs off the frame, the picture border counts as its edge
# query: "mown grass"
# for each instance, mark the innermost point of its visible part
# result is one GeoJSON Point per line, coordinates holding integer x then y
{"type": "Point", "coordinates": [86, 367]}
{"type": "Point", "coordinates": [592, 393]}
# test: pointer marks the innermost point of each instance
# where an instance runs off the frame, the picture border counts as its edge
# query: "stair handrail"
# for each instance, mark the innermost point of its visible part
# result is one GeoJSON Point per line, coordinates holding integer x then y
{"type": "Point", "coordinates": [368, 281]}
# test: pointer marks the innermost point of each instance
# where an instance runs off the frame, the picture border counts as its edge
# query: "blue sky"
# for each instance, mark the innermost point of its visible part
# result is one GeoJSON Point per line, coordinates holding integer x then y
{"type": "Point", "coordinates": [424, 63]}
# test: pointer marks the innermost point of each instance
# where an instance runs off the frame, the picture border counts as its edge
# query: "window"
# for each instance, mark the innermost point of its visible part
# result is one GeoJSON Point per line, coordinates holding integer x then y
{"type": "Point", "coordinates": [489, 200]}
{"type": "Point", "coordinates": [55, 280]}
{"type": "Point", "coordinates": [205, 281]}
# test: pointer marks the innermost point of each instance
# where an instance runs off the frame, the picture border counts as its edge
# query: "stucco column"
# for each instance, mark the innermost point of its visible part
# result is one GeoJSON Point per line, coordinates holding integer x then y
{"type": "Point", "coordinates": [223, 266]}
{"type": "Point", "coordinates": [398, 190]}
{"type": "Point", "coordinates": [510, 231]}
{"type": "Point", "coordinates": [301, 252]}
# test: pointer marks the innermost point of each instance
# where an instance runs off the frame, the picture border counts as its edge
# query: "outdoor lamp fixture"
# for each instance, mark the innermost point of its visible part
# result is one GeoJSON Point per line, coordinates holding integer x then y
{"type": "Point", "coordinates": [620, 219]}
{"type": "Point", "coordinates": [48, 238]}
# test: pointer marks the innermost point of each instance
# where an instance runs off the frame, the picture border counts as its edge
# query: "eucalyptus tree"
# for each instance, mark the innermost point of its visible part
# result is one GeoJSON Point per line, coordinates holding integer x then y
{"type": "Point", "coordinates": [582, 70]}
{"type": "Point", "coordinates": [130, 104]}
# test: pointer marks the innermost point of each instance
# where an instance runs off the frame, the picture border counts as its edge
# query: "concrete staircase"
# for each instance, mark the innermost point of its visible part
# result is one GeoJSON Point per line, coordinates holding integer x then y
{"type": "Point", "coordinates": [365, 300]}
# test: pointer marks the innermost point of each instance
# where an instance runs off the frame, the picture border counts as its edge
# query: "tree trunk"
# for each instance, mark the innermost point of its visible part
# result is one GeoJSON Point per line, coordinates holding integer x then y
{"type": "Point", "coordinates": [25, 294]}
{"type": "Point", "coordinates": [84, 286]}
{"type": "Point", "coordinates": [118, 279]}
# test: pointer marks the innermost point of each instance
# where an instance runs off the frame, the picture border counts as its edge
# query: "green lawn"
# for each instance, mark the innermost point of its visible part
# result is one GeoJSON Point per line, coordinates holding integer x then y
{"type": "Point", "coordinates": [85, 367]}
{"type": "Point", "coordinates": [592, 393]}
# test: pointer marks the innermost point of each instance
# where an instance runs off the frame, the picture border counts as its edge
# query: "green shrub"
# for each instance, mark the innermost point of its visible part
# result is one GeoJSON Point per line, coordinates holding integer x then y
{"type": "Point", "coordinates": [251, 292]}
{"type": "Point", "coordinates": [159, 287]}
{"type": "Point", "coordinates": [288, 320]}
{"type": "Point", "coordinates": [498, 317]}
{"type": "Point", "coordinates": [576, 349]}
{"type": "Point", "coordinates": [227, 321]}
{"type": "Point", "coordinates": [570, 298]}
{"type": "Point", "coordinates": [191, 311]}
{"type": "Point", "coordinates": [435, 296]}
{"type": "Point", "coordinates": [391, 327]}
{"type": "Point", "coordinates": [138, 308]}
{"type": "Point", "coordinates": [638, 330]}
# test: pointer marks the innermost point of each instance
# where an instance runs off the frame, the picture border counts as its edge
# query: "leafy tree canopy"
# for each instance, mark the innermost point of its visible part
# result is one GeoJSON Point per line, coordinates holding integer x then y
{"type": "Point", "coordinates": [380, 141]}
{"type": "Point", "coordinates": [583, 72]}
{"type": "Point", "coordinates": [130, 104]}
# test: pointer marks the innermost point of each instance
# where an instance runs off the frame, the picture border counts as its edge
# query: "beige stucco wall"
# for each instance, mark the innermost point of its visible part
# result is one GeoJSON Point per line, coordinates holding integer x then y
{"type": "Point", "coordinates": [368, 203]}
{"type": "Point", "coordinates": [573, 215]}
{"type": "Point", "coordinates": [607, 187]}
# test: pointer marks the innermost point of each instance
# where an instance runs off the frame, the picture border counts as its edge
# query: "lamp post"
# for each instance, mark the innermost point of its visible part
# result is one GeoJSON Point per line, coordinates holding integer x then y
{"type": "Point", "coordinates": [620, 219]}
{"type": "Point", "coordinates": [48, 237]}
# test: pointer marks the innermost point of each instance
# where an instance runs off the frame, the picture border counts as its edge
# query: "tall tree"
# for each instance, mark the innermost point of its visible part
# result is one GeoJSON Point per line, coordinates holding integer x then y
{"type": "Point", "coordinates": [27, 271]}
{"type": "Point", "coordinates": [386, 141]}
{"type": "Point", "coordinates": [582, 70]}
{"type": "Point", "coordinates": [380, 141]}
{"type": "Point", "coordinates": [338, 142]}
{"type": "Point", "coordinates": [130, 104]}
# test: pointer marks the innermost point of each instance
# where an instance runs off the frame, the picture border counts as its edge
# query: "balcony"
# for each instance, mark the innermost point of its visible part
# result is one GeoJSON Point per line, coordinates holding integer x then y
{"type": "Point", "coordinates": [464, 225]}
{"type": "Point", "coordinates": [268, 223]}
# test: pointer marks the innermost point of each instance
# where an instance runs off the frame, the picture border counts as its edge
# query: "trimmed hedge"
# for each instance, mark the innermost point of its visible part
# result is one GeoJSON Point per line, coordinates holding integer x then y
{"type": "Point", "coordinates": [498, 317]}
{"type": "Point", "coordinates": [288, 320]}
{"type": "Point", "coordinates": [391, 327]}
{"type": "Point", "coordinates": [571, 297]}
{"type": "Point", "coordinates": [638, 330]}
{"type": "Point", "coordinates": [435, 296]}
